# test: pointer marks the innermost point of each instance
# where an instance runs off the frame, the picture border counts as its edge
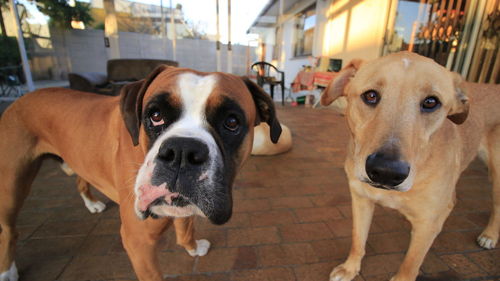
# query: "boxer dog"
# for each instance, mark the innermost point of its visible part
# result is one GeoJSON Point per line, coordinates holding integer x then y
{"type": "Point", "coordinates": [415, 126]}
{"type": "Point", "coordinates": [168, 147]}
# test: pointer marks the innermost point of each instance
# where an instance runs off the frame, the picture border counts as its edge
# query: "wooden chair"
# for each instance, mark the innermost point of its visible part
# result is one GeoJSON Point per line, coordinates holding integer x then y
{"type": "Point", "coordinates": [265, 73]}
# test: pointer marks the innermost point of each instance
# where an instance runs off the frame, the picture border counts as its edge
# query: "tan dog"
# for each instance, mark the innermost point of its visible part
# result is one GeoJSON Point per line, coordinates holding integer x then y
{"type": "Point", "coordinates": [169, 146]}
{"type": "Point", "coordinates": [262, 144]}
{"type": "Point", "coordinates": [415, 127]}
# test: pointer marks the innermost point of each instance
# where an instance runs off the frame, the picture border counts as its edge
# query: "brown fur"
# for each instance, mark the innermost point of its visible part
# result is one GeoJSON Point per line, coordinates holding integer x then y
{"type": "Point", "coordinates": [436, 149]}
{"type": "Point", "coordinates": [88, 131]}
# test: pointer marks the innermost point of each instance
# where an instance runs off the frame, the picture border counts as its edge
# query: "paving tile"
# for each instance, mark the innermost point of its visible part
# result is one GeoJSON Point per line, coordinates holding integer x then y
{"type": "Point", "coordinates": [448, 242]}
{"type": "Point", "coordinates": [317, 271]}
{"type": "Point", "coordinates": [199, 277]}
{"type": "Point", "coordinates": [249, 205]}
{"type": "Point", "coordinates": [61, 229]}
{"type": "Point", "coordinates": [341, 227]}
{"type": "Point", "coordinates": [291, 202]}
{"type": "Point", "coordinates": [305, 232]}
{"type": "Point", "coordinates": [332, 249]}
{"type": "Point", "coordinates": [267, 274]}
{"type": "Point", "coordinates": [317, 214]}
{"type": "Point", "coordinates": [177, 262]}
{"type": "Point", "coordinates": [29, 269]}
{"type": "Point", "coordinates": [462, 265]}
{"type": "Point", "coordinates": [50, 247]}
{"type": "Point", "coordinates": [381, 264]}
{"type": "Point", "coordinates": [273, 217]}
{"type": "Point", "coordinates": [98, 268]}
{"type": "Point", "coordinates": [226, 259]}
{"type": "Point", "coordinates": [286, 254]}
{"type": "Point", "coordinates": [392, 242]}
{"type": "Point", "coordinates": [433, 264]}
{"type": "Point", "coordinates": [487, 260]}
{"type": "Point", "coordinates": [253, 236]}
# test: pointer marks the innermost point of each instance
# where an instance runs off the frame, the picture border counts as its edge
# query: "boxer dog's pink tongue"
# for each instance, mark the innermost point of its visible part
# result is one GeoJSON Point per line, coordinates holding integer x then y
{"type": "Point", "coordinates": [149, 193]}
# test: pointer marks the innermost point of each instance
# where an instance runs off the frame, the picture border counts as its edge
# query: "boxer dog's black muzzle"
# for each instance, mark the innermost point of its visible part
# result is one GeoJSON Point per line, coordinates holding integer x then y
{"type": "Point", "coordinates": [188, 168]}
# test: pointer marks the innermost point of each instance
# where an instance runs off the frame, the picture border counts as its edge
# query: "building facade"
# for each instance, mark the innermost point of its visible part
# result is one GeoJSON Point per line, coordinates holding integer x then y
{"type": "Point", "coordinates": [462, 35]}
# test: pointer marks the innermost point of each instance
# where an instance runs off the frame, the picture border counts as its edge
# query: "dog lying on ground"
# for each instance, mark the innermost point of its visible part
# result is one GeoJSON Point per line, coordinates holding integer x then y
{"type": "Point", "coordinates": [262, 144]}
{"type": "Point", "coordinates": [415, 127]}
{"type": "Point", "coordinates": [168, 147]}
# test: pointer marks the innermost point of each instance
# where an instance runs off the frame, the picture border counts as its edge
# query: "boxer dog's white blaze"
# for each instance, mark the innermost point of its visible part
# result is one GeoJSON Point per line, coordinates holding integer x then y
{"type": "Point", "coordinates": [194, 91]}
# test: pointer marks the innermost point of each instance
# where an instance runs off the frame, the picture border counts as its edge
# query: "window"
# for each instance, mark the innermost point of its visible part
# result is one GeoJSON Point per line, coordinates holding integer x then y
{"type": "Point", "coordinates": [304, 32]}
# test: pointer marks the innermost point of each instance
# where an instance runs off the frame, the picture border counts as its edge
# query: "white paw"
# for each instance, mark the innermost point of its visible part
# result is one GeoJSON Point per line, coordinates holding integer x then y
{"type": "Point", "coordinates": [11, 274]}
{"type": "Point", "coordinates": [95, 206]}
{"type": "Point", "coordinates": [66, 169]}
{"type": "Point", "coordinates": [202, 247]}
{"type": "Point", "coordinates": [486, 242]}
{"type": "Point", "coordinates": [341, 273]}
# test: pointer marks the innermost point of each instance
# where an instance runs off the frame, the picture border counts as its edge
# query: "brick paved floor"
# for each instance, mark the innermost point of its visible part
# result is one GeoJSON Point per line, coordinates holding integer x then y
{"type": "Point", "coordinates": [291, 221]}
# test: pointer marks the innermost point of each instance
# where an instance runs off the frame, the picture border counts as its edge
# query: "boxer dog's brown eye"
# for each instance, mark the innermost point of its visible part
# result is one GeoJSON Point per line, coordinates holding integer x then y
{"type": "Point", "coordinates": [156, 118]}
{"type": "Point", "coordinates": [232, 123]}
{"type": "Point", "coordinates": [370, 97]}
{"type": "Point", "coordinates": [430, 104]}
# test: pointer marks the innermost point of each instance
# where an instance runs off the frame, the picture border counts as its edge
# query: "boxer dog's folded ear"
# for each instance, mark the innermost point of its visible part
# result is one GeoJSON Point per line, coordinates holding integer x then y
{"type": "Point", "coordinates": [131, 102]}
{"type": "Point", "coordinates": [265, 109]}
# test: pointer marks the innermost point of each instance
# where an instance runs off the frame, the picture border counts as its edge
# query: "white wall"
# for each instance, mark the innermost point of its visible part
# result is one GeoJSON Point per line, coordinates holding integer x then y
{"type": "Point", "coordinates": [292, 65]}
{"type": "Point", "coordinates": [87, 53]}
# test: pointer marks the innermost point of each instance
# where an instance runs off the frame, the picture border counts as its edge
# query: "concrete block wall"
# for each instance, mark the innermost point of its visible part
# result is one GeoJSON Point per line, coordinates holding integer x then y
{"type": "Point", "coordinates": [86, 51]}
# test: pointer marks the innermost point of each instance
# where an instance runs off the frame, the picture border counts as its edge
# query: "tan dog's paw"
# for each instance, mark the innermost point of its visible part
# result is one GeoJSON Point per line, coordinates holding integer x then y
{"type": "Point", "coordinates": [341, 273]}
{"type": "Point", "coordinates": [11, 274]}
{"type": "Point", "coordinates": [486, 241]}
{"type": "Point", "coordinates": [202, 247]}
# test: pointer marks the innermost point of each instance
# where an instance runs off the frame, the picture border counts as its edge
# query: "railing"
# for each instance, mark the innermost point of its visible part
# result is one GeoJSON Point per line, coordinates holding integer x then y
{"type": "Point", "coordinates": [10, 82]}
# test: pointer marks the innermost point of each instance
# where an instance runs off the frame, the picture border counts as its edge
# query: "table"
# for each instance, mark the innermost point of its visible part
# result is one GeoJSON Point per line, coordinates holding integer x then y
{"type": "Point", "coordinates": [311, 80]}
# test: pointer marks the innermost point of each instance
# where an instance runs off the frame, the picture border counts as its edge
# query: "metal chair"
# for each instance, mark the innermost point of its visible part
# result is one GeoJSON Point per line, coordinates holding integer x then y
{"type": "Point", "coordinates": [264, 76]}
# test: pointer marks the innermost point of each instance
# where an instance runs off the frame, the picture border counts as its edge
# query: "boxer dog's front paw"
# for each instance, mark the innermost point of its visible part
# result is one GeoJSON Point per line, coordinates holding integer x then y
{"type": "Point", "coordinates": [202, 247]}
{"type": "Point", "coordinates": [487, 241]}
{"type": "Point", "coordinates": [10, 275]}
{"type": "Point", "coordinates": [343, 273]}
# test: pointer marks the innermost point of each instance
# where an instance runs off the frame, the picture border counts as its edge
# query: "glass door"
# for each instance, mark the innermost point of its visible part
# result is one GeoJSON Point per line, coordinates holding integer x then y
{"type": "Point", "coordinates": [449, 31]}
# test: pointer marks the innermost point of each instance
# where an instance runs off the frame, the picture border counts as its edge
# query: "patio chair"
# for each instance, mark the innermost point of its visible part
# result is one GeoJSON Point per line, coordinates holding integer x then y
{"type": "Point", "coordinates": [264, 76]}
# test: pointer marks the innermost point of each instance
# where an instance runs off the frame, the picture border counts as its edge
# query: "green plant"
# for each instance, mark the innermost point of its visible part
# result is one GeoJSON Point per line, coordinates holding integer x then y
{"type": "Point", "coordinates": [61, 13]}
{"type": "Point", "coordinates": [9, 53]}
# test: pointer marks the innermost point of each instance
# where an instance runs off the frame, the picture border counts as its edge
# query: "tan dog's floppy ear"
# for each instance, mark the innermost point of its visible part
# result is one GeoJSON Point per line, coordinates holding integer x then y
{"type": "Point", "coordinates": [336, 88]}
{"type": "Point", "coordinates": [460, 108]}
{"type": "Point", "coordinates": [131, 102]}
{"type": "Point", "coordinates": [265, 109]}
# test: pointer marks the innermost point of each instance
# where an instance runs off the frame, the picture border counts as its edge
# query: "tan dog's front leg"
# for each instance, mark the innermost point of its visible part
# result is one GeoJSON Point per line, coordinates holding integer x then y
{"type": "Point", "coordinates": [362, 213]}
{"type": "Point", "coordinates": [423, 233]}
{"type": "Point", "coordinates": [140, 240]}
{"type": "Point", "coordinates": [184, 231]}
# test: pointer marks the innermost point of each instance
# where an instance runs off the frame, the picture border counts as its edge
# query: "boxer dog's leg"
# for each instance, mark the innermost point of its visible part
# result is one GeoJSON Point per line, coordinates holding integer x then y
{"type": "Point", "coordinates": [94, 205]}
{"type": "Point", "coordinates": [184, 231]}
{"type": "Point", "coordinates": [140, 240]}
{"type": "Point", "coordinates": [19, 165]}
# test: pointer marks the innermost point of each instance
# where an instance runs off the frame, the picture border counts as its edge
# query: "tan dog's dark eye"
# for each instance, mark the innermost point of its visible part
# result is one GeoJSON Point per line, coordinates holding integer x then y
{"type": "Point", "coordinates": [429, 104]}
{"type": "Point", "coordinates": [156, 118]}
{"type": "Point", "coordinates": [232, 123]}
{"type": "Point", "coordinates": [370, 97]}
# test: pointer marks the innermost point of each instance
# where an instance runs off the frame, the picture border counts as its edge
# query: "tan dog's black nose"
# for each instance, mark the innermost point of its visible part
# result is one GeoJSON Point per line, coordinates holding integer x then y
{"type": "Point", "coordinates": [386, 170]}
{"type": "Point", "coordinates": [183, 152]}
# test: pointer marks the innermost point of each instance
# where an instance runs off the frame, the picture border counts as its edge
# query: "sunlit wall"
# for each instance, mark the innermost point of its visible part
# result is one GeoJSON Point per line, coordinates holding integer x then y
{"type": "Point", "coordinates": [354, 29]}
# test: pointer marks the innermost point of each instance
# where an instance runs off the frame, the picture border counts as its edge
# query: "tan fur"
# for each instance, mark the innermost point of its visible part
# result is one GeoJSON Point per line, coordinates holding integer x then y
{"type": "Point", "coordinates": [437, 149]}
{"type": "Point", "coordinates": [88, 132]}
{"type": "Point", "coordinates": [262, 144]}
